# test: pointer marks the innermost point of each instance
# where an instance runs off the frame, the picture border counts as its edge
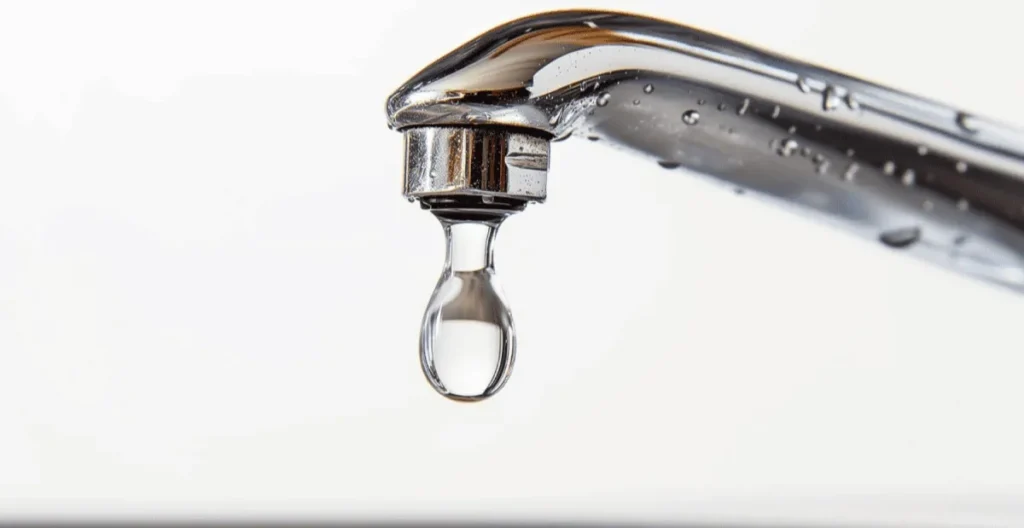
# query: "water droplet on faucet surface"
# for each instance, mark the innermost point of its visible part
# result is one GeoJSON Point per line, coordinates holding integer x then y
{"type": "Point", "coordinates": [691, 117]}
{"type": "Point", "coordinates": [603, 99]}
{"type": "Point", "coordinates": [467, 341]}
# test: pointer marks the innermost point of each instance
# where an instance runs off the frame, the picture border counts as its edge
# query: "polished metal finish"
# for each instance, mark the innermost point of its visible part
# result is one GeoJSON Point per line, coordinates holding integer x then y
{"type": "Point", "coordinates": [904, 171]}
{"type": "Point", "coordinates": [485, 162]}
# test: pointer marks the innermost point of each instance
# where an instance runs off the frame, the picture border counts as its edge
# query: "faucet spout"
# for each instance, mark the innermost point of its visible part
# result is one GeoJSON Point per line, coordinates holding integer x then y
{"type": "Point", "coordinates": [904, 171]}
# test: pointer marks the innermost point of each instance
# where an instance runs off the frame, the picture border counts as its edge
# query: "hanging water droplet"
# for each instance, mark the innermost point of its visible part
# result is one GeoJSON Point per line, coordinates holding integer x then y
{"type": "Point", "coordinates": [901, 238]}
{"type": "Point", "coordinates": [787, 147]}
{"type": "Point", "coordinates": [922, 150]}
{"type": "Point", "coordinates": [410, 199]}
{"type": "Point", "coordinates": [487, 199]}
{"type": "Point", "coordinates": [851, 172]}
{"type": "Point", "coordinates": [830, 99]}
{"type": "Point", "coordinates": [602, 100]}
{"type": "Point", "coordinates": [889, 168]}
{"type": "Point", "coordinates": [908, 177]}
{"type": "Point", "coordinates": [966, 122]}
{"type": "Point", "coordinates": [801, 83]}
{"type": "Point", "coordinates": [962, 204]}
{"type": "Point", "coordinates": [961, 167]}
{"type": "Point", "coordinates": [818, 158]}
{"type": "Point", "coordinates": [850, 153]}
{"type": "Point", "coordinates": [805, 152]}
{"type": "Point", "coordinates": [669, 164]}
{"type": "Point", "coordinates": [593, 138]}
{"type": "Point", "coordinates": [743, 107]}
{"type": "Point", "coordinates": [700, 102]}
{"type": "Point", "coordinates": [776, 111]}
{"type": "Point", "coordinates": [648, 88]}
{"type": "Point", "coordinates": [467, 341]}
{"type": "Point", "coordinates": [792, 130]}
{"type": "Point", "coordinates": [691, 117]}
{"type": "Point", "coordinates": [722, 107]}
{"type": "Point", "coordinates": [590, 24]}
{"type": "Point", "coordinates": [823, 166]}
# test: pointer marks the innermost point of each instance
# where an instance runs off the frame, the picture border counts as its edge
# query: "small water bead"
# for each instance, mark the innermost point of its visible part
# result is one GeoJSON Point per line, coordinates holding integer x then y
{"type": "Point", "coordinates": [851, 102]}
{"type": "Point", "coordinates": [787, 147]}
{"type": "Point", "coordinates": [851, 172]}
{"type": "Point", "coordinates": [636, 102]}
{"type": "Point", "coordinates": [922, 150]}
{"type": "Point", "coordinates": [590, 24]}
{"type": "Point", "coordinates": [889, 168]}
{"type": "Point", "coordinates": [967, 122]}
{"type": "Point", "coordinates": [467, 342]}
{"type": "Point", "coordinates": [722, 107]}
{"type": "Point", "coordinates": [691, 117]}
{"type": "Point", "coordinates": [908, 177]}
{"type": "Point", "coordinates": [792, 130]}
{"type": "Point", "coordinates": [830, 99]}
{"type": "Point", "coordinates": [669, 164]}
{"type": "Point", "coordinates": [776, 111]}
{"type": "Point", "coordinates": [603, 99]}
{"type": "Point", "coordinates": [823, 166]}
{"type": "Point", "coordinates": [593, 138]}
{"type": "Point", "coordinates": [700, 102]}
{"type": "Point", "coordinates": [801, 83]}
{"type": "Point", "coordinates": [962, 204]}
{"type": "Point", "coordinates": [648, 88]}
{"type": "Point", "coordinates": [850, 153]}
{"type": "Point", "coordinates": [901, 238]}
{"type": "Point", "coordinates": [961, 167]}
{"type": "Point", "coordinates": [743, 107]}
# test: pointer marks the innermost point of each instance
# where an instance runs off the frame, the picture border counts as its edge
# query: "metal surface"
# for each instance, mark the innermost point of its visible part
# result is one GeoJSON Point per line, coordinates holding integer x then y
{"type": "Point", "coordinates": [913, 174]}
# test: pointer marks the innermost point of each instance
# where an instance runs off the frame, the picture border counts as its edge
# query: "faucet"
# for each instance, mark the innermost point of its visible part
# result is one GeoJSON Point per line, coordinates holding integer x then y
{"type": "Point", "coordinates": [915, 175]}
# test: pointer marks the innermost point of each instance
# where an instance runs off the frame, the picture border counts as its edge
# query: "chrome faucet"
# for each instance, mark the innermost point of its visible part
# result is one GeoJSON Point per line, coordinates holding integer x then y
{"type": "Point", "coordinates": [913, 174]}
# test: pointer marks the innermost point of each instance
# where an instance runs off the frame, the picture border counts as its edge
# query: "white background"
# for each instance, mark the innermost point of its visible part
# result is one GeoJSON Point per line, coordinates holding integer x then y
{"type": "Point", "coordinates": [211, 287]}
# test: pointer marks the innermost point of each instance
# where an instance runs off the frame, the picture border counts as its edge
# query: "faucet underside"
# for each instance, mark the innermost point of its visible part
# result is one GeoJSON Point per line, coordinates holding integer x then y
{"type": "Point", "coordinates": [902, 170]}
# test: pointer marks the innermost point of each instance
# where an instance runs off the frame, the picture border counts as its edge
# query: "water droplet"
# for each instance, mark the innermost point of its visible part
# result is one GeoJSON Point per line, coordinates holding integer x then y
{"type": "Point", "coordinates": [700, 102]}
{"type": "Point", "coordinates": [743, 107]}
{"type": "Point", "coordinates": [722, 107]}
{"type": "Point", "coordinates": [823, 166]}
{"type": "Point", "coordinates": [669, 164]}
{"type": "Point", "coordinates": [603, 99]}
{"type": "Point", "coordinates": [636, 102]}
{"type": "Point", "coordinates": [648, 88]}
{"type": "Point", "coordinates": [553, 120]}
{"type": "Point", "coordinates": [818, 158]}
{"type": "Point", "coordinates": [889, 168]}
{"type": "Point", "coordinates": [928, 205]}
{"type": "Point", "coordinates": [801, 83]}
{"type": "Point", "coordinates": [908, 177]}
{"type": "Point", "coordinates": [487, 199]}
{"type": "Point", "coordinates": [901, 238]}
{"type": "Point", "coordinates": [467, 341]}
{"type": "Point", "coordinates": [590, 24]}
{"type": "Point", "coordinates": [787, 147]}
{"type": "Point", "coordinates": [691, 117]}
{"type": "Point", "coordinates": [961, 167]}
{"type": "Point", "coordinates": [410, 199]}
{"type": "Point", "coordinates": [967, 122]}
{"type": "Point", "coordinates": [776, 111]}
{"type": "Point", "coordinates": [792, 130]}
{"type": "Point", "coordinates": [962, 204]}
{"type": "Point", "coordinates": [817, 128]}
{"type": "Point", "coordinates": [805, 152]}
{"type": "Point", "coordinates": [851, 172]}
{"type": "Point", "coordinates": [593, 138]}
{"type": "Point", "coordinates": [850, 153]}
{"type": "Point", "coordinates": [922, 150]}
{"type": "Point", "coordinates": [851, 102]}
{"type": "Point", "coordinates": [830, 99]}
